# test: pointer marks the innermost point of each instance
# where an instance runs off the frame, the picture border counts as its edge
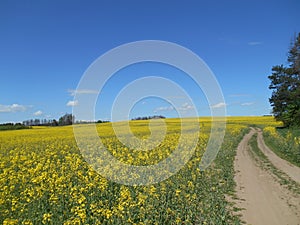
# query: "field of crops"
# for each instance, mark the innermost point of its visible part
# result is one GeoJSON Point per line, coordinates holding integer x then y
{"type": "Point", "coordinates": [285, 143]}
{"type": "Point", "coordinates": [44, 178]}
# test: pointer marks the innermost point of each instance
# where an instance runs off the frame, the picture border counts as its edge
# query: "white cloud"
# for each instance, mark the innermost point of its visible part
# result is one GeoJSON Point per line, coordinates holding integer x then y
{"type": "Point", "coordinates": [219, 105]}
{"type": "Point", "coordinates": [247, 103]}
{"type": "Point", "coordinates": [12, 108]}
{"type": "Point", "coordinates": [186, 106]}
{"type": "Point", "coordinates": [72, 103]}
{"type": "Point", "coordinates": [38, 113]}
{"type": "Point", "coordinates": [164, 108]}
{"type": "Point", "coordinates": [82, 91]}
{"type": "Point", "coordinates": [255, 43]}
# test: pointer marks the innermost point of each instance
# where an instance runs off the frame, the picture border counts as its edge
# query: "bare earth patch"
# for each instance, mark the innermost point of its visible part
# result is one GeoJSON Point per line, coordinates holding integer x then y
{"type": "Point", "coordinates": [262, 198]}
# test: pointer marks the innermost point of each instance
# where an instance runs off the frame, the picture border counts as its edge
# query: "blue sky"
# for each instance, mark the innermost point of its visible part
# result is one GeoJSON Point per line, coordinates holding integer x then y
{"type": "Point", "coordinates": [46, 46]}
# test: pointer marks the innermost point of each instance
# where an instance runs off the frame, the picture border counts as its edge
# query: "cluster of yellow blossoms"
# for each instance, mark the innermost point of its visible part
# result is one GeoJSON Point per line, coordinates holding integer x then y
{"type": "Point", "coordinates": [44, 179]}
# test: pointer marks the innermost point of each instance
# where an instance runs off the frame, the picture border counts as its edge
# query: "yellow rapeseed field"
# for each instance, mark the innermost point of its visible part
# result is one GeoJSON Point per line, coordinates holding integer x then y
{"type": "Point", "coordinates": [44, 178]}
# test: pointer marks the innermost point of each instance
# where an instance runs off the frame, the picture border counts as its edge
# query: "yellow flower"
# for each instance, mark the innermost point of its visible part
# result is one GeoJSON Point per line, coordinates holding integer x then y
{"type": "Point", "coordinates": [177, 192]}
{"type": "Point", "coordinates": [27, 222]}
{"type": "Point", "coordinates": [46, 218]}
{"type": "Point", "coordinates": [10, 221]}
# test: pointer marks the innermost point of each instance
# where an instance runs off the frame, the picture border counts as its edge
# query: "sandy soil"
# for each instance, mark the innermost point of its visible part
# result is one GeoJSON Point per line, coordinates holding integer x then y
{"type": "Point", "coordinates": [263, 199]}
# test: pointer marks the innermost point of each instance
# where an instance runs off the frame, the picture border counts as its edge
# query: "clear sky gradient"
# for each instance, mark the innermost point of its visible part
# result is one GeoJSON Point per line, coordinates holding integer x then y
{"type": "Point", "coordinates": [46, 46]}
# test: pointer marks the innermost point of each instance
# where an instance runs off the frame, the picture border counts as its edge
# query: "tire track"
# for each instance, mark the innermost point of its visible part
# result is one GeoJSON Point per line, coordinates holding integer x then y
{"type": "Point", "coordinates": [263, 200]}
{"type": "Point", "coordinates": [291, 170]}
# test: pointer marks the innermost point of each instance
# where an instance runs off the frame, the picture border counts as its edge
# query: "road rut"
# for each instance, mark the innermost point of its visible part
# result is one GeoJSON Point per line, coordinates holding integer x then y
{"type": "Point", "coordinates": [263, 200]}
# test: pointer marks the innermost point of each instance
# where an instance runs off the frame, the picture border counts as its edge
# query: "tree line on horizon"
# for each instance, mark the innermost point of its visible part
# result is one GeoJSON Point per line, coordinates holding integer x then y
{"type": "Point", "coordinates": [285, 83]}
{"type": "Point", "coordinates": [13, 126]}
{"type": "Point", "coordinates": [67, 119]}
{"type": "Point", "coordinates": [149, 117]}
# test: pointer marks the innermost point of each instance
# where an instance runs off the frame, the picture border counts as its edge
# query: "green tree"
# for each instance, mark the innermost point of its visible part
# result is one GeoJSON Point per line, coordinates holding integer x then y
{"type": "Point", "coordinates": [67, 119]}
{"type": "Point", "coordinates": [285, 83]}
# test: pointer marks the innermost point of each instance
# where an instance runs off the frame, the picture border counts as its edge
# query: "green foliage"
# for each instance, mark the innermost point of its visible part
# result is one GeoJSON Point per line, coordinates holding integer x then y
{"type": "Point", "coordinates": [67, 119]}
{"type": "Point", "coordinates": [12, 126]}
{"type": "Point", "coordinates": [102, 121]}
{"type": "Point", "coordinates": [286, 144]}
{"type": "Point", "coordinates": [285, 83]}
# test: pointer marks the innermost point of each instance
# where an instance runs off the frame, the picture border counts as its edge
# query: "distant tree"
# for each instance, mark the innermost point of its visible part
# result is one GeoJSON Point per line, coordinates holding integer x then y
{"type": "Point", "coordinates": [12, 126]}
{"type": "Point", "coordinates": [37, 122]}
{"type": "Point", "coordinates": [149, 117]}
{"type": "Point", "coordinates": [54, 123]}
{"type": "Point", "coordinates": [26, 123]}
{"type": "Point", "coordinates": [102, 121]}
{"type": "Point", "coordinates": [66, 119]}
{"type": "Point", "coordinates": [285, 83]}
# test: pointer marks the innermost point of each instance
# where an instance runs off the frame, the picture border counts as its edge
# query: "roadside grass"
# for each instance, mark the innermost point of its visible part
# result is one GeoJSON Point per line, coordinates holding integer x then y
{"type": "Point", "coordinates": [285, 143]}
{"type": "Point", "coordinates": [263, 161]}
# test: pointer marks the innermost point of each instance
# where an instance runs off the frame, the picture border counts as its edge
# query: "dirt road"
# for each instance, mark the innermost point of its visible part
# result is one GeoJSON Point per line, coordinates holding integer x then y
{"type": "Point", "coordinates": [263, 199]}
{"type": "Point", "coordinates": [291, 170]}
